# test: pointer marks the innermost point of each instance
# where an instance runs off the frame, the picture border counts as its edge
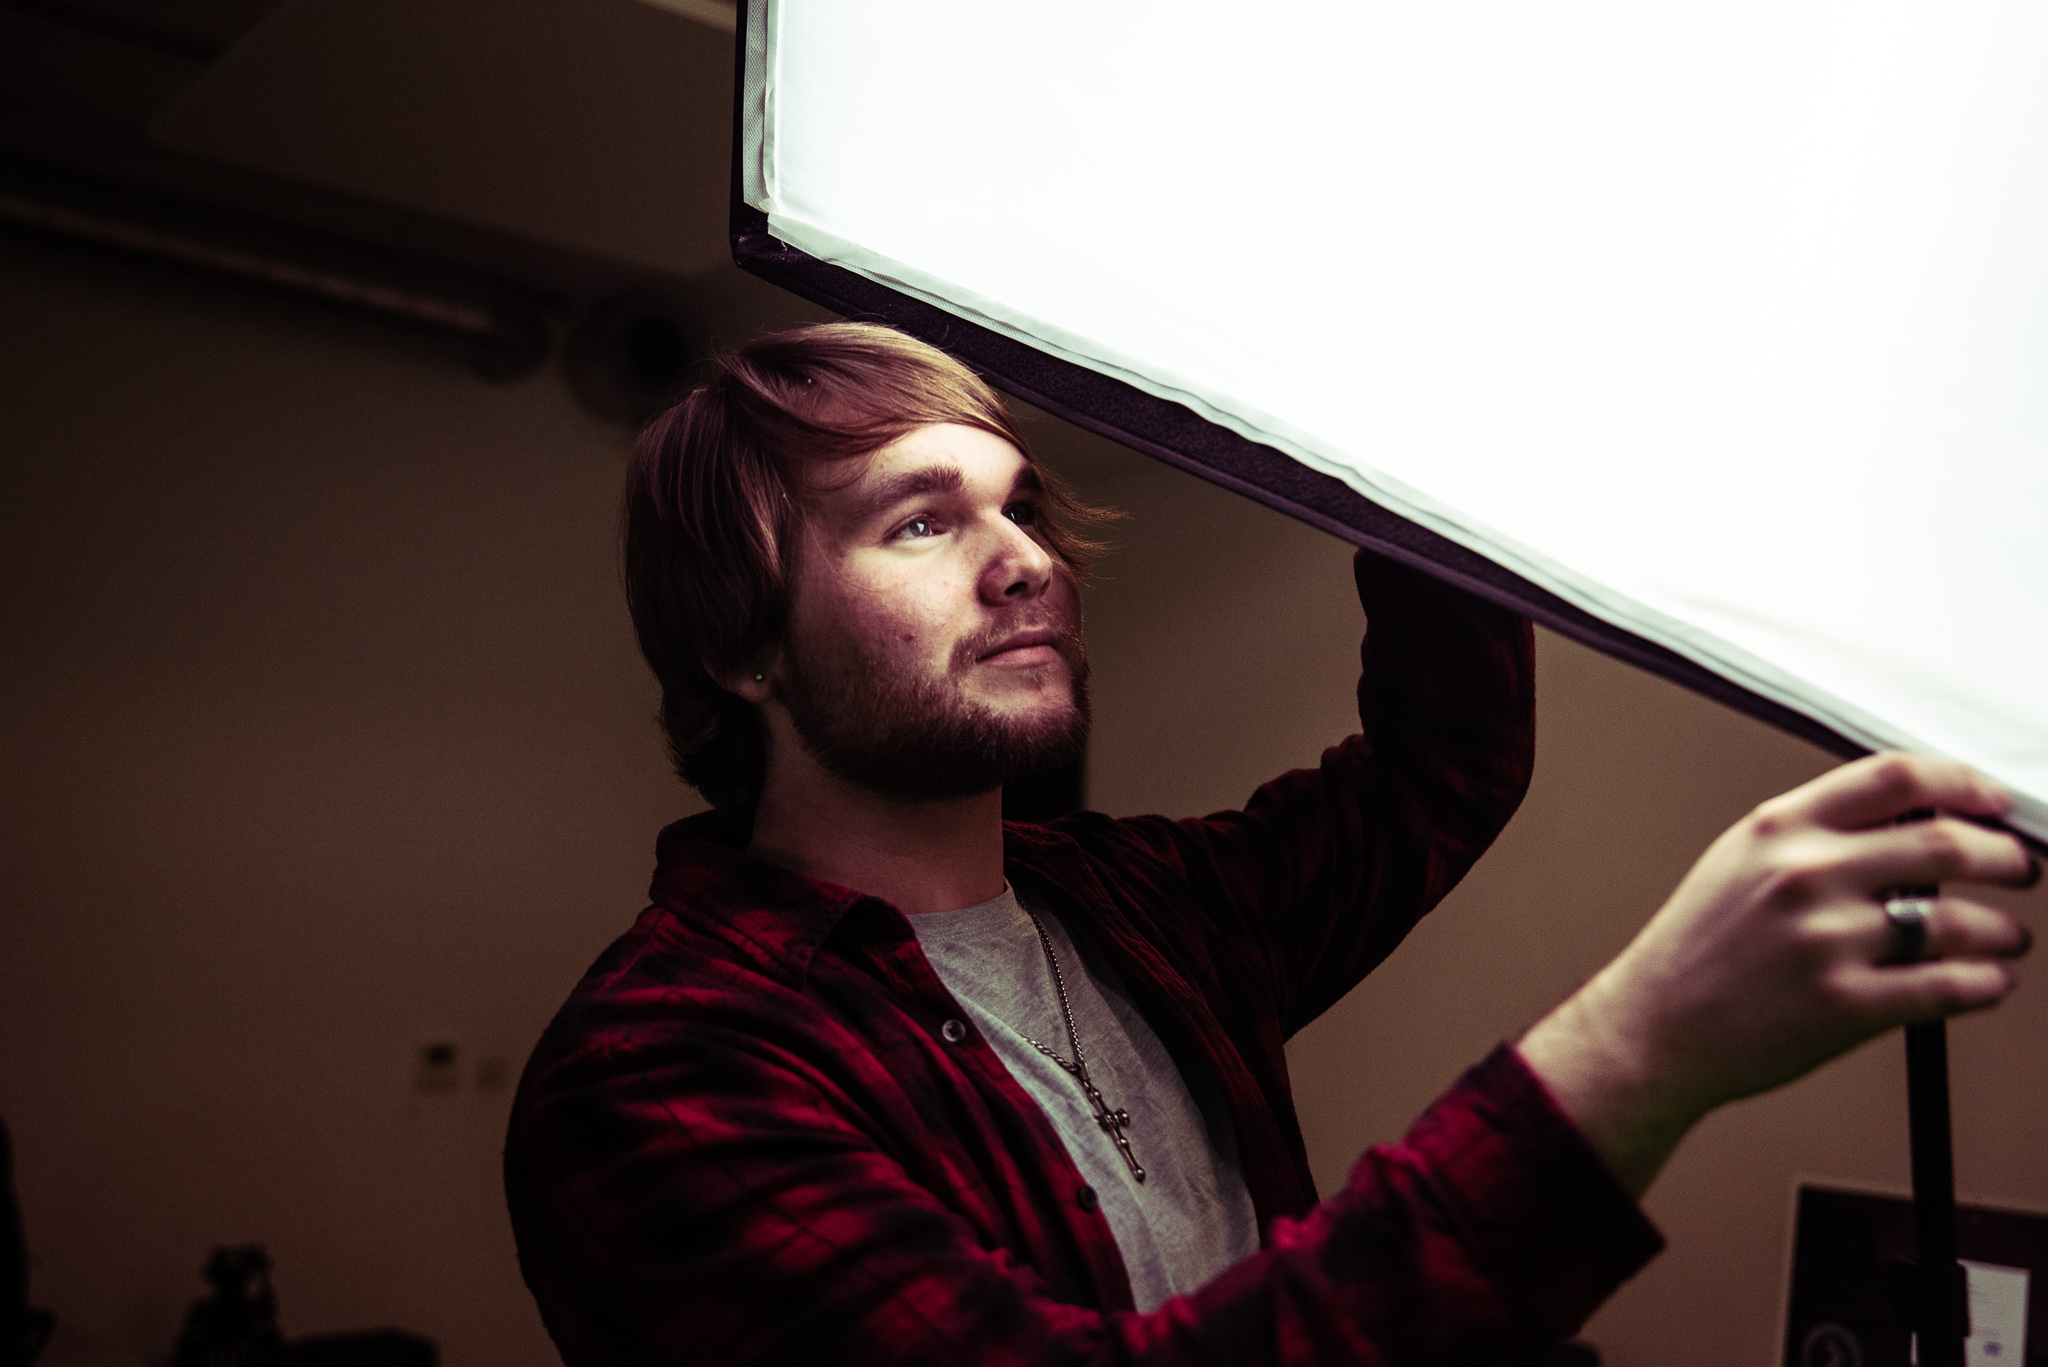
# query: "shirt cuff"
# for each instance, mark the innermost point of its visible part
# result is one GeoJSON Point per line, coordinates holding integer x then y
{"type": "Point", "coordinates": [1542, 1214]}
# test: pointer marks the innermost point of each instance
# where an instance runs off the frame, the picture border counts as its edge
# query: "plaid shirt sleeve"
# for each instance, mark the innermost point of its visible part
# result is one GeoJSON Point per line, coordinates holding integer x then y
{"type": "Point", "coordinates": [1318, 878]}
{"type": "Point", "coordinates": [713, 1200]}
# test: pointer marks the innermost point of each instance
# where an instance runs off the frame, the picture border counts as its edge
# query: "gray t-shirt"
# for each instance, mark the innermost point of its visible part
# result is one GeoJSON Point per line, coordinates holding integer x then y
{"type": "Point", "coordinates": [1192, 1216]}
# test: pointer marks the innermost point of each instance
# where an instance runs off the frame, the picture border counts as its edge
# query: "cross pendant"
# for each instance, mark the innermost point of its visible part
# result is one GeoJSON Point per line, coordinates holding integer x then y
{"type": "Point", "coordinates": [1113, 1124]}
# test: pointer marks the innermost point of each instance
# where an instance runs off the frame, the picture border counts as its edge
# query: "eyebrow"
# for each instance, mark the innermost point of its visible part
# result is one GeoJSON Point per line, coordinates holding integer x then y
{"type": "Point", "coordinates": [932, 479]}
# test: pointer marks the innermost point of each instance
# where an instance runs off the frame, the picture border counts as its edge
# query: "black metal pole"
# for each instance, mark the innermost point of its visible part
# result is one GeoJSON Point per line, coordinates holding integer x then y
{"type": "Point", "coordinates": [1942, 1321]}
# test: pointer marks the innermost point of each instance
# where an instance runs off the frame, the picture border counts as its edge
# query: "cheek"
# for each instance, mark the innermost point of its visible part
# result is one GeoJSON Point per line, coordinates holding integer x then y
{"type": "Point", "coordinates": [917, 611]}
{"type": "Point", "coordinates": [880, 624]}
{"type": "Point", "coordinates": [1063, 599]}
{"type": "Point", "coordinates": [893, 616]}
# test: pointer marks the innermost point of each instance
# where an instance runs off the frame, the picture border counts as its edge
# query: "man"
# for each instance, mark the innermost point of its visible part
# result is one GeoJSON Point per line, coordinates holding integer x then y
{"type": "Point", "coordinates": [878, 1079]}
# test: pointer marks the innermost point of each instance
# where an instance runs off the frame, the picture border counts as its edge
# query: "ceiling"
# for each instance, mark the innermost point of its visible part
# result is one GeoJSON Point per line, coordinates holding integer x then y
{"type": "Point", "coordinates": [577, 146]}
{"type": "Point", "coordinates": [199, 29]}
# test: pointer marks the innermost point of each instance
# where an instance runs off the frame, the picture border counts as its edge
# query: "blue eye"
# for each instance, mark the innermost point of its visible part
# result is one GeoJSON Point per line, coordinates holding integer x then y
{"type": "Point", "coordinates": [916, 527]}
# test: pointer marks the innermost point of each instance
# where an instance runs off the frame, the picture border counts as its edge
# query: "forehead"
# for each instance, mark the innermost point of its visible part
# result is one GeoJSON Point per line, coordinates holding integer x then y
{"type": "Point", "coordinates": [939, 458]}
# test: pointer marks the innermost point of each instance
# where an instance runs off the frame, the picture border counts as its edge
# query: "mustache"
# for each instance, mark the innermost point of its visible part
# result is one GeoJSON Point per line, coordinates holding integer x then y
{"type": "Point", "coordinates": [1067, 639]}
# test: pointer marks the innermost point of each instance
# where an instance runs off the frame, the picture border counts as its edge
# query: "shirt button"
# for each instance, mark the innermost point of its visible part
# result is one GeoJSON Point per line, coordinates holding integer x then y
{"type": "Point", "coordinates": [954, 1031]}
{"type": "Point", "coordinates": [1085, 1197]}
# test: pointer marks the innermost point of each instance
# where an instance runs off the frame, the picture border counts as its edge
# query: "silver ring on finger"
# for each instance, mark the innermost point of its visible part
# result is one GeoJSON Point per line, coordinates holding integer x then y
{"type": "Point", "coordinates": [1909, 917]}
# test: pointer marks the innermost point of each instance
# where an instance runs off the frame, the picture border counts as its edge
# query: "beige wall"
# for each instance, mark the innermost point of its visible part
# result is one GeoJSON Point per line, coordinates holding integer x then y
{"type": "Point", "coordinates": [324, 735]}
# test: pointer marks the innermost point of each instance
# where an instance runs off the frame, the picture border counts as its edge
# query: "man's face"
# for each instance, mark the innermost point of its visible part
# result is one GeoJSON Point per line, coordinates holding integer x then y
{"type": "Point", "coordinates": [934, 647]}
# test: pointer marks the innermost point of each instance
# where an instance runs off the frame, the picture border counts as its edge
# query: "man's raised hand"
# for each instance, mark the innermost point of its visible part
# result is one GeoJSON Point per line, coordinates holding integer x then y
{"type": "Point", "coordinates": [1770, 958]}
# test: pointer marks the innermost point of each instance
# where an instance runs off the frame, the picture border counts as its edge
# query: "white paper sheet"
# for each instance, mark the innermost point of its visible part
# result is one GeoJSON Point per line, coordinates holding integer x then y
{"type": "Point", "coordinates": [1998, 1315]}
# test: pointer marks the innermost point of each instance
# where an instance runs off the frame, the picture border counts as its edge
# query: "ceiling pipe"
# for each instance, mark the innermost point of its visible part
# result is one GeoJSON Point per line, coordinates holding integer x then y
{"type": "Point", "coordinates": [502, 334]}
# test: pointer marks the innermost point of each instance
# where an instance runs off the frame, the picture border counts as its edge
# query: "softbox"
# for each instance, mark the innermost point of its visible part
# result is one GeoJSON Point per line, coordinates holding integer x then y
{"type": "Point", "coordinates": [1713, 335]}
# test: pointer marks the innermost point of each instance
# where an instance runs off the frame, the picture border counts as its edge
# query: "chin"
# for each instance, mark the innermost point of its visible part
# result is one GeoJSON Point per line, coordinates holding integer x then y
{"type": "Point", "coordinates": [1046, 699]}
{"type": "Point", "coordinates": [1053, 674]}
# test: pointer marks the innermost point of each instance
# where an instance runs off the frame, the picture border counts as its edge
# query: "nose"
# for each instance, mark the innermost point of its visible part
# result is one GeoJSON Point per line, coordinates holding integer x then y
{"type": "Point", "coordinates": [1018, 568]}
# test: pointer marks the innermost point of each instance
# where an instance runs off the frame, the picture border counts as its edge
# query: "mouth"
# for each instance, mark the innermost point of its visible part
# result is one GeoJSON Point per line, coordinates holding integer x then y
{"type": "Point", "coordinates": [1026, 649]}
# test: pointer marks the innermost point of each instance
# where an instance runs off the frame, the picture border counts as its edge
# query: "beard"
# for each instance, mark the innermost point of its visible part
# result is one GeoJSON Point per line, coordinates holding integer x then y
{"type": "Point", "coordinates": [873, 723]}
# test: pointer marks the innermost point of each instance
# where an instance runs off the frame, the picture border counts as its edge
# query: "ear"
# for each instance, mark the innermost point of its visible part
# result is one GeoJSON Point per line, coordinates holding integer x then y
{"type": "Point", "coordinates": [755, 682]}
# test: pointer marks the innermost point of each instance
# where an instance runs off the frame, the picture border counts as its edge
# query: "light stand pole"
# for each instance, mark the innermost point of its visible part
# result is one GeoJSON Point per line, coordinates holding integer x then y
{"type": "Point", "coordinates": [1938, 1295]}
{"type": "Point", "coordinates": [1934, 1294]}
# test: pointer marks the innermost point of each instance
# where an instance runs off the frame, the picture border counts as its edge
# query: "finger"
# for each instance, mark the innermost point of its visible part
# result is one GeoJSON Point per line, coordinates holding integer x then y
{"type": "Point", "coordinates": [1882, 788]}
{"type": "Point", "coordinates": [1937, 851]}
{"type": "Point", "coordinates": [1958, 929]}
{"type": "Point", "coordinates": [1927, 991]}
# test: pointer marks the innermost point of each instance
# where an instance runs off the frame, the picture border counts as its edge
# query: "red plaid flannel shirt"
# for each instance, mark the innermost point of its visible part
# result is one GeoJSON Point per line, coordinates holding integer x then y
{"type": "Point", "coordinates": [751, 1136]}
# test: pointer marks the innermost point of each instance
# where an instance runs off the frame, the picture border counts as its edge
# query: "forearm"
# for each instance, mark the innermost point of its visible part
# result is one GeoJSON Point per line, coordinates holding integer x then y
{"type": "Point", "coordinates": [1446, 700]}
{"type": "Point", "coordinates": [1775, 954]}
{"type": "Point", "coordinates": [1326, 869]}
{"type": "Point", "coordinates": [1488, 1231]}
{"type": "Point", "coordinates": [1625, 1110]}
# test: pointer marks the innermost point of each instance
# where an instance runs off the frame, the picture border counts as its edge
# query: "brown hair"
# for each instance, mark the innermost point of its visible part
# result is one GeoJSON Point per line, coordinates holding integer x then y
{"type": "Point", "coordinates": [716, 497]}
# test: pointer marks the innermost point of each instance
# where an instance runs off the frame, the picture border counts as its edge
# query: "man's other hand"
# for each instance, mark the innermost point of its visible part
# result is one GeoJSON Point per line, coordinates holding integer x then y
{"type": "Point", "coordinates": [1771, 957]}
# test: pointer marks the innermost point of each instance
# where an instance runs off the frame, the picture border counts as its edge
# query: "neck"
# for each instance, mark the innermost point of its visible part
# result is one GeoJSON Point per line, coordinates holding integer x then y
{"type": "Point", "coordinates": [920, 856]}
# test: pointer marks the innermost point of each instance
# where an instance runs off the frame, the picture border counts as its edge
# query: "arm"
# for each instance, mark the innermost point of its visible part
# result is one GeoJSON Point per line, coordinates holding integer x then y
{"type": "Point", "coordinates": [700, 1190]}
{"type": "Point", "coordinates": [1767, 960]}
{"type": "Point", "coordinates": [1324, 871]}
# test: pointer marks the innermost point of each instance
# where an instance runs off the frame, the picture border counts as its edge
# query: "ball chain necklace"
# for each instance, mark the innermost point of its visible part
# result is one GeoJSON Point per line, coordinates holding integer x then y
{"type": "Point", "coordinates": [1113, 1122]}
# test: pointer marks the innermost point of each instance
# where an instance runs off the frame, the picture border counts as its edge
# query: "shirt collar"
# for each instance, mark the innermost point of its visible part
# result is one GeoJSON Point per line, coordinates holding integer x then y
{"type": "Point", "coordinates": [779, 918]}
{"type": "Point", "coordinates": [703, 874]}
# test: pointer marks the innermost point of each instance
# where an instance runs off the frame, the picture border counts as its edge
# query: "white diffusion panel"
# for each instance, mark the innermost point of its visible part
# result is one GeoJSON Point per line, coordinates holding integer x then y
{"type": "Point", "coordinates": [1727, 322]}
